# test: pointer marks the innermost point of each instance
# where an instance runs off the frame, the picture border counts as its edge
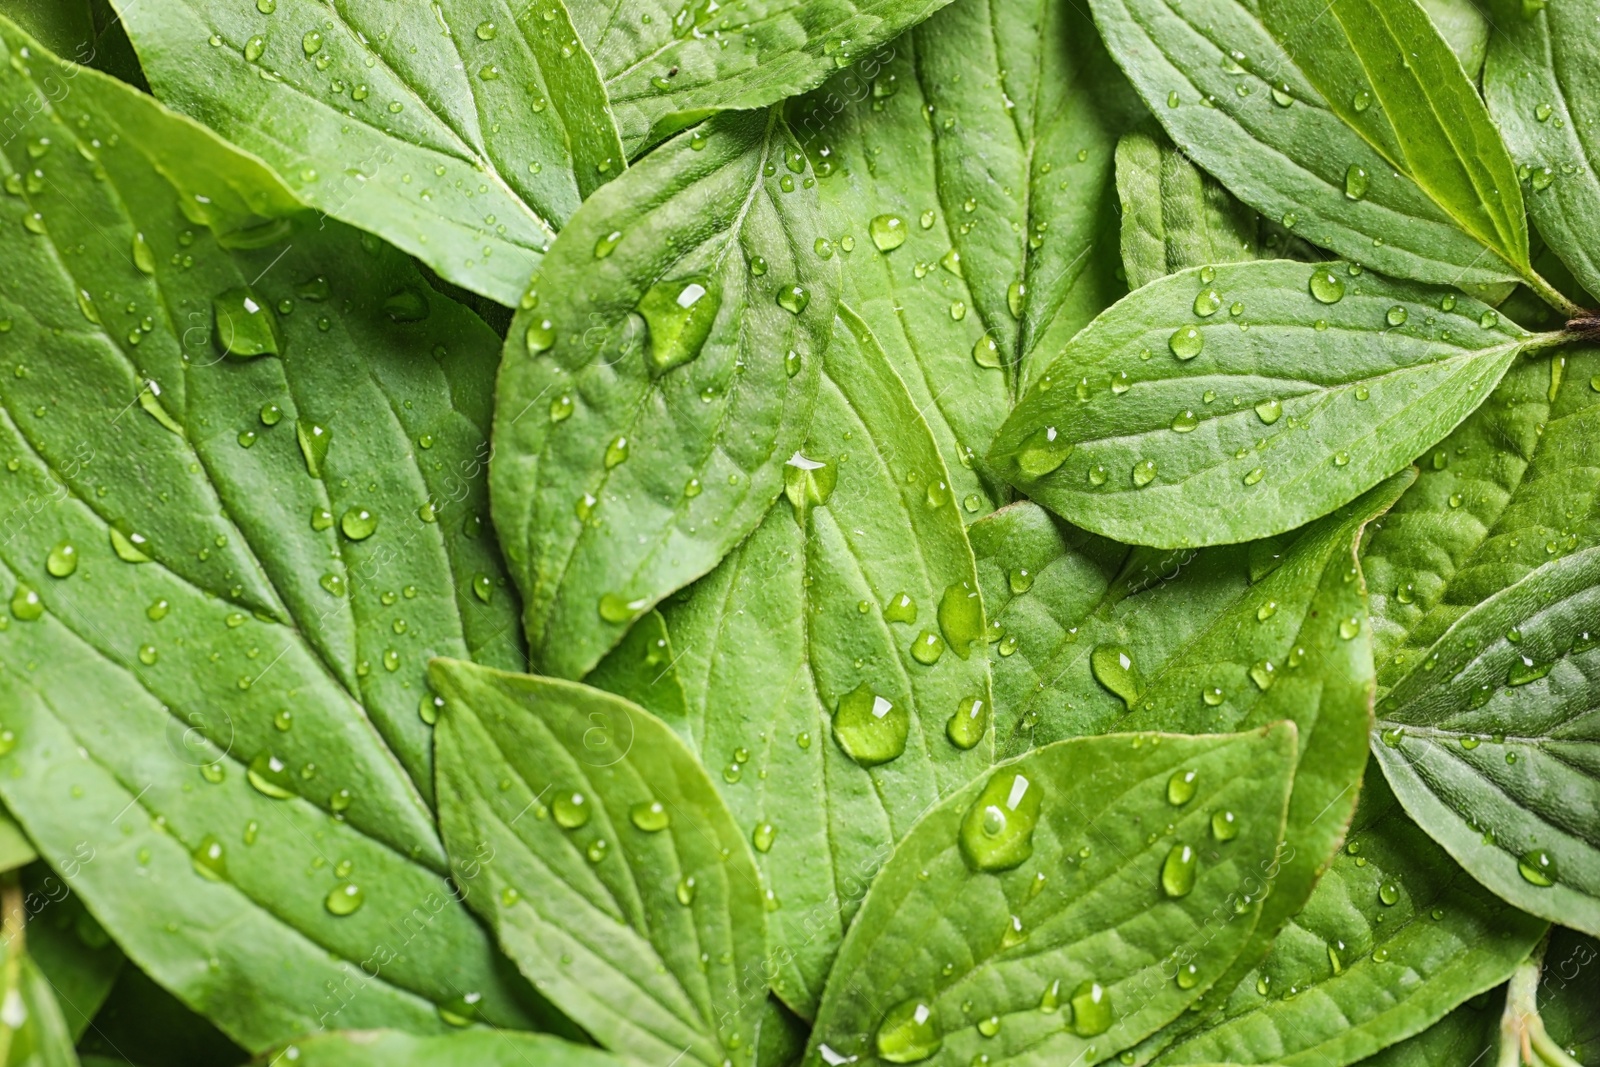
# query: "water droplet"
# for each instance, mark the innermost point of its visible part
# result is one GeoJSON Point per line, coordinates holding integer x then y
{"type": "Point", "coordinates": [1114, 668]}
{"type": "Point", "coordinates": [210, 860]}
{"type": "Point", "coordinates": [1186, 342]}
{"type": "Point", "coordinates": [1327, 286]}
{"type": "Point", "coordinates": [1017, 298]}
{"type": "Point", "coordinates": [1178, 871]}
{"type": "Point", "coordinates": [685, 890]}
{"type": "Point", "coordinates": [358, 524]}
{"type": "Point", "coordinates": [62, 562]}
{"type": "Point", "coordinates": [909, 1033]}
{"type": "Point", "coordinates": [1181, 787]}
{"type": "Point", "coordinates": [1263, 673]}
{"type": "Point", "coordinates": [345, 899]}
{"type": "Point", "coordinates": [961, 617]}
{"type": "Point", "coordinates": [1350, 627]}
{"type": "Point", "coordinates": [989, 1026]}
{"type": "Point", "coordinates": [1207, 302]}
{"type": "Point", "coordinates": [616, 452]}
{"type": "Point", "coordinates": [927, 648]}
{"type": "Point", "coordinates": [571, 810]}
{"type": "Point", "coordinates": [1389, 894]}
{"type": "Point", "coordinates": [986, 353]}
{"type": "Point", "coordinates": [1224, 826]}
{"type": "Point", "coordinates": [1489, 319]}
{"type": "Point", "coordinates": [1098, 474]}
{"type": "Point", "coordinates": [618, 609]}
{"type": "Point", "coordinates": [1397, 315]}
{"type": "Point", "coordinates": [1042, 452]}
{"type": "Point", "coordinates": [1362, 100]}
{"type": "Point", "coordinates": [1269, 411]}
{"type": "Point", "coordinates": [1254, 475]}
{"type": "Point", "coordinates": [951, 261]}
{"type": "Point", "coordinates": [246, 327]}
{"type": "Point", "coordinates": [650, 816]}
{"type": "Point", "coordinates": [1091, 1010]}
{"type": "Point", "coordinates": [1525, 669]}
{"type": "Point", "coordinates": [314, 441]}
{"type": "Point", "coordinates": [607, 244]}
{"type": "Point", "coordinates": [808, 483]}
{"type": "Point", "coordinates": [678, 316]}
{"type": "Point", "coordinates": [1185, 422]}
{"type": "Point", "coordinates": [1355, 185]}
{"type": "Point", "coordinates": [997, 831]}
{"type": "Point", "coordinates": [793, 298]}
{"type": "Point", "coordinates": [870, 728]}
{"type": "Point", "coordinates": [888, 232]}
{"type": "Point", "coordinates": [1144, 472]}
{"type": "Point", "coordinates": [969, 723]}
{"type": "Point", "coordinates": [1538, 867]}
{"type": "Point", "coordinates": [254, 48]}
{"type": "Point", "coordinates": [901, 608]}
{"type": "Point", "coordinates": [540, 336]}
{"type": "Point", "coordinates": [763, 836]}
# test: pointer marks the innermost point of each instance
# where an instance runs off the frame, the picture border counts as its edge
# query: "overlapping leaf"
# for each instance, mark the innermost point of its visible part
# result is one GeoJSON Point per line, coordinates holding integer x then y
{"type": "Point", "coordinates": [466, 134]}
{"type": "Point", "coordinates": [1542, 90]}
{"type": "Point", "coordinates": [470, 1048]}
{"type": "Point", "coordinates": [1240, 401]}
{"type": "Point", "coordinates": [1043, 913]}
{"type": "Point", "coordinates": [858, 587]}
{"type": "Point", "coordinates": [1394, 937]}
{"type": "Point", "coordinates": [632, 452]}
{"type": "Point", "coordinates": [612, 873]}
{"type": "Point", "coordinates": [219, 564]}
{"type": "Point", "coordinates": [1485, 577]}
{"type": "Point", "coordinates": [1351, 122]}
{"type": "Point", "coordinates": [1569, 993]}
{"type": "Point", "coordinates": [668, 63]}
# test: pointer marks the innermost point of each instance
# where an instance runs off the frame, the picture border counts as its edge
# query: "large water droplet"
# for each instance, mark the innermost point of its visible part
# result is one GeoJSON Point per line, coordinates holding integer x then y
{"type": "Point", "coordinates": [997, 832]}
{"type": "Point", "coordinates": [345, 899]}
{"type": "Point", "coordinates": [1269, 411]}
{"type": "Point", "coordinates": [62, 562]}
{"type": "Point", "coordinates": [968, 725]}
{"type": "Point", "coordinates": [1091, 1010]}
{"type": "Point", "coordinates": [1144, 472]}
{"type": "Point", "coordinates": [650, 816]}
{"type": "Point", "coordinates": [1538, 867]}
{"type": "Point", "coordinates": [143, 257]}
{"type": "Point", "coordinates": [1326, 285]}
{"type": "Point", "coordinates": [25, 603]}
{"type": "Point", "coordinates": [961, 617]}
{"type": "Point", "coordinates": [888, 232]}
{"type": "Point", "coordinates": [678, 316]}
{"type": "Point", "coordinates": [808, 483]}
{"type": "Point", "coordinates": [314, 441]}
{"type": "Point", "coordinates": [1114, 668]}
{"type": "Point", "coordinates": [210, 859]}
{"type": "Point", "coordinates": [1356, 182]}
{"type": "Point", "coordinates": [1181, 787]}
{"type": "Point", "coordinates": [1207, 302]}
{"type": "Point", "coordinates": [870, 728]}
{"type": "Point", "coordinates": [246, 327]}
{"type": "Point", "coordinates": [909, 1033]}
{"type": "Point", "coordinates": [794, 298]}
{"type": "Point", "coordinates": [1178, 871]}
{"type": "Point", "coordinates": [1526, 669]}
{"type": "Point", "coordinates": [358, 524]}
{"type": "Point", "coordinates": [270, 776]}
{"type": "Point", "coordinates": [1186, 342]}
{"type": "Point", "coordinates": [618, 609]}
{"type": "Point", "coordinates": [571, 810]}
{"type": "Point", "coordinates": [1041, 452]}
{"type": "Point", "coordinates": [1224, 825]}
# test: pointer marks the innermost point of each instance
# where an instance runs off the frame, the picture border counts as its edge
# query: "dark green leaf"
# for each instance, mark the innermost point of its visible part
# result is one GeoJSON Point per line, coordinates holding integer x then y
{"type": "Point", "coordinates": [1174, 215]}
{"type": "Point", "coordinates": [855, 578]}
{"type": "Point", "coordinates": [1223, 639]}
{"type": "Point", "coordinates": [1351, 122]}
{"type": "Point", "coordinates": [1486, 577]}
{"type": "Point", "coordinates": [1466, 1036]}
{"type": "Point", "coordinates": [143, 1024]}
{"type": "Point", "coordinates": [1173, 421]}
{"type": "Point", "coordinates": [1544, 93]}
{"type": "Point", "coordinates": [598, 849]}
{"type": "Point", "coordinates": [74, 953]}
{"type": "Point", "coordinates": [468, 148]}
{"type": "Point", "coordinates": [1393, 938]}
{"type": "Point", "coordinates": [668, 63]}
{"type": "Point", "coordinates": [470, 1048]}
{"type": "Point", "coordinates": [137, 694]}
{"type": "Point", "coordinates": [630, 459]}
{"type": "Point", "coordinates": [1569, 993]}
{"type": "Point", "coordinates": [1067, 869]}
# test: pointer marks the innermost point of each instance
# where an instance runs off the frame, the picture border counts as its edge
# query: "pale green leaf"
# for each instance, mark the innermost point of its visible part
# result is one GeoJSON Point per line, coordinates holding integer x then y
{"type": "Point", "coordinates": [840, 587]}
{"type": "Point", "coordinates": [626, 466]}
{"type": "Point", "coordinates": [1485, 579]}
{"type": "Point", "coordinates": [1003, 960]}
{"type": "Point", "coordinates": [470, 1048]}
{"type": "Point", "coordinates": [463, 132]}
{"type": "Point", "coordinates": [1240, 401]}
{"type": "Point", "coordinates": [584, 831]}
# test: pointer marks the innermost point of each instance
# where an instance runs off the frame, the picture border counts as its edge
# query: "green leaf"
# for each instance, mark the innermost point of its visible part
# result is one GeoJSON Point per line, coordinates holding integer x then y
{"type": "Point", "coordinates": [1012, 900]}
{"type": "Point", "coordinates": [832, 600]}
{"type": "Point", "coordinates": [33, 1032]}
{"type": "Point", "coordinates": [1351, 122]}
{"type": "Point", "coordinates": [470, 1048]}
{"type": "Point", "coordinates": [1098, 637]}
{"type": "Point", "coordinates": [1543, 92]}
{"type": "Point", "coordinates": [1394, 937]}
{"type": "Point", "coordinates": [1485, 578]}
{"type": "Point", "coordinates": [15, 849]}
{"type": "Point", "coordinates": [1172, 421]}
{"type": "Point", "coordinates": [142, 1023]}
{"type": "Point", "coordinates": [73, 952]}
{"type": "Point", "coordinates": [1465, 28]}
{"type": "Point", "coordinates": [668, 63]}
{"type": "Point", "coordinates": [636, 442]}
{"type": "Point", "coordinates": [1174, 215]}
{"type": "Point", "coordinates": [138, 694]}
{"type": "Point", "coordinates": [468, 148]}
{"type": "Point", "coordinates": [599, 851]}
{"type": "Point", "coordinates": [1569, 993]}
{"type": "Point", "coordinates": [1466, 1036]}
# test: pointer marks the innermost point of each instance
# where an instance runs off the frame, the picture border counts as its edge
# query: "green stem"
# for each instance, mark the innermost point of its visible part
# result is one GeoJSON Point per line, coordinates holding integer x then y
{"type": "Point", "coordinates": [1552, 1053]}
{"type": "Point", "coordinates": [1550, 294]}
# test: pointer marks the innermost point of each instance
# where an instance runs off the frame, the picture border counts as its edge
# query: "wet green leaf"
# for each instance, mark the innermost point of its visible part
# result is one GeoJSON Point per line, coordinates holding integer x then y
{"type": "Point", "coordinates": [1395, 936]}
{"type": "Point", "coordinates": [645, 925]}
{"type": "Point", "coordinates": [1485, 577]}
{"type": "Point", "coordinates": [1351, 122]}
{"type": "Point", "coordinates": [470, 1048]}
{"type": "Point", "coordinates": [628, 461]}
{"type": "Point", "coordinates": [465, 134]}
{"type": "Point", "coordinates": [1171, 421]}
{"type": "Point", "coordinates": [1080, 945]}
{"type": "Point", "coordinates": [830, 602]}
{"type": "Point", "coordinates": [1544, 94]}
{"type": "Point", "coordinates": [182, 604]}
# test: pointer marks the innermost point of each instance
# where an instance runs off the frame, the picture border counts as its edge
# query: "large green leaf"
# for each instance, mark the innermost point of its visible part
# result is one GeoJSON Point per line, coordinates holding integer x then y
{"type": "Point", "coordinates": [1569, 993]}
{"type": "Point", "coordinates": [633, 451]}
{"type": "Point", "coordinates": [668, 63]}
{"type": "Point", "coordinates": [1239, 401]}
{"type": "Point", "coordinates": [1545, 94]}
{"type": "Point", "coordinates": [600, 852]}
{"type": "Point", "coordinates": [137, 694]}
{"type": "Point", "coordinates": [1042, 914]}
{"type": "Point", "coordinates": [1098, 637]}
{"type": "Point", "coordinates": [844, 593]}
{"type": "Point", "coordinates": [1486, 577]}
{"type": "Point", "coordinates": [471, 1048]}
{"type": "Point", "coordinates": [1395, 936]}
{"type": "Point", "coordinates": [978, 240]}
{"type": "Point", "coordinates": [1466, 1036]}
{"type": "Point", "coordinates": [1352, 122]}
{"type": "Point", "coordinates": [464, 132]}
{"type": "Point", "coordinates": [73, 952]}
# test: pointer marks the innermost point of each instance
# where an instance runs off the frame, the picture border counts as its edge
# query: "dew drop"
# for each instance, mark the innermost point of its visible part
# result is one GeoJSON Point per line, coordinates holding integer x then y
{"type": "Point", "coordinates": [997, 832]}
